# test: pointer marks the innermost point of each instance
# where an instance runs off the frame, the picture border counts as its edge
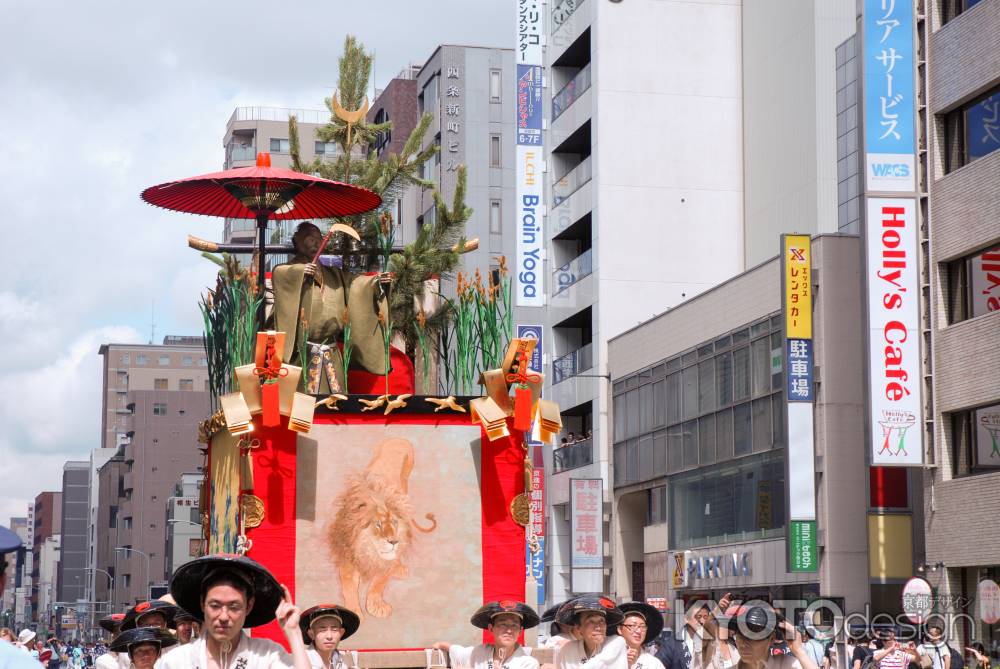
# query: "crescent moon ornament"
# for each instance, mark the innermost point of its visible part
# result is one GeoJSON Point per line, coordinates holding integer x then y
{"type": "Point", "coordinates": [348, 117]}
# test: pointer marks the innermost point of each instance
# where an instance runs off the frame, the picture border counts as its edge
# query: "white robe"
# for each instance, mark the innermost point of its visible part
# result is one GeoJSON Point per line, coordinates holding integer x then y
{"type": "Point", "coordinates": [611, 655]}
{"type": "Point", "coordinates": [478, 657]}
{"type": "Point", "coordinates": [250, 653]}
{"type": "Point", "coordinates": [557, 641]}
{"type": "Point", "coordinates": [647, 661]}
{"type": "Point", "coordinates": [108, 661]}
{"type": "Point", "coordinates": [337, 660]}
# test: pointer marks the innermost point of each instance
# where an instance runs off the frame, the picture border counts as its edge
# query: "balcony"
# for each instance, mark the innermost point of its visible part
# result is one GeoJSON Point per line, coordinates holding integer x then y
{"type": "Point", "coordinates": [573, 363]}
{"type": "Point", "coordinates": [562, 12]}
{"type": "Point", "coordinates": [572, 181]}
{"type": "Point", "coordinates": [569, 93]}
{"type": "Point", "coordinates": [235, 152]}
{"type": "Point", "coordinates": [573, 271]}
{"type": "Point", "coordinates": [573, 455]}
{"type": "Point", "coordinates": [279, 114]}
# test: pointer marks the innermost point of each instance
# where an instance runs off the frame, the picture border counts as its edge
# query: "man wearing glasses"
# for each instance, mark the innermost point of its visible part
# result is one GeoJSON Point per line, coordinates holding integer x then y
{"type": "Point", "coordinates": [642, 623]}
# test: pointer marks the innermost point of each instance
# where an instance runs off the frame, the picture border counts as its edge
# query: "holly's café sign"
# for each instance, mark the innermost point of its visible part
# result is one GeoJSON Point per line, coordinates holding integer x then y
{"type": "Point", "coordinates": [689, 568]}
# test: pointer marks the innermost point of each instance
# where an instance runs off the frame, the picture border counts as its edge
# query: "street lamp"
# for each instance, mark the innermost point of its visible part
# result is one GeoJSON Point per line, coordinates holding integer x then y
{"type": "Point", "coordinates": [148, 579]}
{"type": "Point", "coordinates": [111, 589]}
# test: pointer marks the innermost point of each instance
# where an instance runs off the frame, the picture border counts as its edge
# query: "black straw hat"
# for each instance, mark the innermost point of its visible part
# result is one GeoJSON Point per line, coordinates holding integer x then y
{"type": "Point", "coordinates": [132, 616]}
{"type": "Point", "coordinates": [186, 585]}
{"type": "Point", "coordinates": [349, 619]}
{"type": "Point", "coordinates": [112, 623]}
{"type": "Point", "coordinates": [550, 613]}
{"type": "Point", "coordinates": [569, 613]}
{"type": "Point", "coordinates": [486, 613]}
{"type": "Point", "coordinates": [653, 618]}
{"type": "Point", "coordinates": [124, 642]}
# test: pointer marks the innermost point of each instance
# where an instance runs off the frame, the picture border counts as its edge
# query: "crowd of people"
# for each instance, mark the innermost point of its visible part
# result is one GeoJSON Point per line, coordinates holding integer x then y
{"type": "Point", "coordinates": [213, 599]}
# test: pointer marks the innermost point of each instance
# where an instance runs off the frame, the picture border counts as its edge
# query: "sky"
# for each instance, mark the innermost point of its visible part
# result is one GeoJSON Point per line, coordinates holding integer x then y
{"type": "Point", "coordinates": [102, 99]}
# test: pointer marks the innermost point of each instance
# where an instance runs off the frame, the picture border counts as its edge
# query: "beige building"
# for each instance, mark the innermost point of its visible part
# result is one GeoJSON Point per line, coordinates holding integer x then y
{"type": "Point", "coordinates": [962, 482]}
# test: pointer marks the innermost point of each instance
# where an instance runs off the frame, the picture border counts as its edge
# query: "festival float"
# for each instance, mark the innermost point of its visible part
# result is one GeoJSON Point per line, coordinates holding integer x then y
{"type": "Point", "coordinates": [370, 443]}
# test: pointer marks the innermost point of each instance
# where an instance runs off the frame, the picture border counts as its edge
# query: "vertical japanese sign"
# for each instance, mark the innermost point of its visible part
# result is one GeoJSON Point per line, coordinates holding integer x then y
{"type": "Point", "coordinates": [536, 559]}
{"type": "Point", "coordinates": [889, 104]}
{"type": "Point", "coordinates": [529, 283]}
{"type": "Point", "coordinates": [452, 117]}
{"type": "Point", "coordinates": [800, 478]}
{"type": "Point", "coordinates": [895, 381]}
{"type": "Point", "coordinates": [587, 523]}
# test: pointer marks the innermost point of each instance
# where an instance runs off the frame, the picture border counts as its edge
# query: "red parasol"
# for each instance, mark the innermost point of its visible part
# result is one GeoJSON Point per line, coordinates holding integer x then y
{"type": "Point", "coordinates": [263, 193]}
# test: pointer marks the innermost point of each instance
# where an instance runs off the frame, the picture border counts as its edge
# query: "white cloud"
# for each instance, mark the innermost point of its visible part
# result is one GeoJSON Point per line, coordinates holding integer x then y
{"type": "Point", "coordinates": [104, 99]}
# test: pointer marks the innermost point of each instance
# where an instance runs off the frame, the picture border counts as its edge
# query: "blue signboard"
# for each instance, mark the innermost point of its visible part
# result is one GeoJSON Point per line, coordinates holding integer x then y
{"type": "Point", "coordinates": [536, 563]}
{"type": "Point", "coordinates": [529, 105]}
{"type": "Point", "coordinates": [889, 95]}
{"type": "Point", "coordinates": [532, 332]}
{"type": "Point", "coordinates": [799, 370]}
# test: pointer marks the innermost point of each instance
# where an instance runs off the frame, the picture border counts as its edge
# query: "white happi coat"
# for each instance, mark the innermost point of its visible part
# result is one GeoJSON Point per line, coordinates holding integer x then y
{"type": "Point", "coordinates": [611, 655]}
{"type": "Point", "coordinates": [479, 657]}
{"type": "Point", "coordinates": [337, 661]}
{"type": "Point", "coordinates": [647, 661]}
{"type": "Point", "coordinates": [249, 653]}
{"type": "Point", "coordinates": [112, 661]}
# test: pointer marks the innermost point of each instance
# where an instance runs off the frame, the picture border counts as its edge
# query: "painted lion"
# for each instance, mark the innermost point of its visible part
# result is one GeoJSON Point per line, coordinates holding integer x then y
{"type": "Point", "coordinates": [373, 527]}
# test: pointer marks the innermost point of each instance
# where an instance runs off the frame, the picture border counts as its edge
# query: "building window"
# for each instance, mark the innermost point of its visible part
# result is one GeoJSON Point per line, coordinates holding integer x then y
{"type": "Point", "coordinates": [208, 386]}
{"type": "Point", "coordinates": [164, 360]}
{"type": "Point", "coordinates": [142, 359]}
{"type": "Point", "coordinates": [187, 361]}
{"type": "Point", "coordinates": [326, 148]}
{"type": "Point", "coordinates": [383, 138]}
{"type": "Point", "coordinates": [495, 151]}
{"type": "Point", "coordinates": [125, 358]}
{"type": "Point", "coordinates": [656, 505]}
{"type": "Point", "coordinates": [973, 284]}
{"type": "Point", "coordinates": [952, 8]}
{"type": "Point", "coordinates": [160, 409]}
{"type": "Point", "coordinates": [495, 85]}
{"type": "Point", "coordinates": [429, 96]}
{"type": "Point", "coordinates": [496, 221]}
{"type": "Point", "coordinates": [728, 503]}
{"type": "Point", "coordinates": [126, 523]}
{"type": "Point", "coordinates": [203, 362]}
{"type": "Point", "coordinates": [186, 384]}
{"type": "Point", "coordinates": [972, 131]}
{"type": "Point", "coordinates": [279, 145]}
{"type": "Point", "coordinates": [160, 384]}
{"type": "Point", "coordinates": [975, 440]}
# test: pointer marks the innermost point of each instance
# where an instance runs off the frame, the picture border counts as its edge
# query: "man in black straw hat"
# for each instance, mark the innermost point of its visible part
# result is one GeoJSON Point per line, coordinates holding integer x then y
{"type": "Point", "coordinates": [231, 593]}
{"type": "Point", "coordinates": [326, 625]}
{"type": "Point", "coordinates": [505, 620]}
{"type": "Point", "coordinates": [642, 623]}
{"type": "Point", "coordinates": [112, 660]}
{"type": "Point", "coordinates": [11, 657]}
{"type": "Point", "coordinates": [142, 645]}
{"type": "Point", "coordinates": [592, 615]}
{"type": "Point", "coordinates": [155, 613]}
{"type": "Point", "coordinates": [559, 634]}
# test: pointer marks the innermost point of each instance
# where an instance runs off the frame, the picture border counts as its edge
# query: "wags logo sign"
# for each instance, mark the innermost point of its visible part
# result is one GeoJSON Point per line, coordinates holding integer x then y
{"type": "Point", "coordinates": [888, 172]}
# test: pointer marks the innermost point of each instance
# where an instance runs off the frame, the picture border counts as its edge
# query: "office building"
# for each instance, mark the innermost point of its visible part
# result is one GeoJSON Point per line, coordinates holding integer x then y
{"type": "Point", "coordinates": [683, 138]}
{"type": "Point", "coordinates": [47, 523]}
{"type": "Point", "coordinates": [155, 397]}
{"type": "Point", "coordinates": [108, 529]}
{"type": "Point", "coordinates": [73, 535]}
{"type": "Point", "coordinates": [960, 205]}
{"type": "Point", "coordinates": [98, 458]}
{"type": "Point", "coordinates": [184, 526]}
{"type": "Point", "coordinates": [48, 583]}
{"type": "Point", "coordinates": [700, 504]}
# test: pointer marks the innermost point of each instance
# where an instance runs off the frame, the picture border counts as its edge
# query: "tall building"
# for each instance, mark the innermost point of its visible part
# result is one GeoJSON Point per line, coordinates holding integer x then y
{"type": "Point", "coordinates": [701, 490]}
{"type": "Point", "coordinates": [47, 523]}
{"type": "Point", "coordinates": [73, 535]}
{"type": "Point", "coordinates": [184, 528]}
{"type": "Point", "coordinates": [470, 93]}
{"type": "Point", "coordinates": [155, 397]}
{"type": "Point", "coordinates": [108, 530]}
{"type": "Point", "coordinates": [960, 205]}
{"type": "Point", "coordinates": [48, 583]}
{"type": "Point", "coordinates": [674, 149]}
{"type": "Point", "coordinates": [98, 458]}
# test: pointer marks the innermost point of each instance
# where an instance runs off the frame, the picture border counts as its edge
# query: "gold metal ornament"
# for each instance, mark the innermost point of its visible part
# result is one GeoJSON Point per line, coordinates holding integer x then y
{"type": "Point", "coordinates": [252, 510]}
{"type": "Point", "coordinates": [348, 117]}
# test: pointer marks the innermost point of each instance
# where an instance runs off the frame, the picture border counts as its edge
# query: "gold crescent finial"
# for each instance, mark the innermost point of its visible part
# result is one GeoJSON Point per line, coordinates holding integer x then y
{"type": "Point", "coordinates": [348, 117]}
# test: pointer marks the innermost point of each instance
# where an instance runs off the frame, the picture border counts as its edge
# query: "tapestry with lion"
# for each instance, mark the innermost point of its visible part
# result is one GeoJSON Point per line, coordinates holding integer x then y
{"type": "Point", "coordinates": [389, 523]}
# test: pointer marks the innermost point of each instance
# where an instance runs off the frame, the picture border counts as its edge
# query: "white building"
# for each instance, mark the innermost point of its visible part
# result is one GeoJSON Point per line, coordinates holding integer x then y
{"type": "Point", "coordinates": [48, 575]}
{"type": "Point", "coordinates": [682, 139]}
{"type": "Point", "coordinates": [184, 529]}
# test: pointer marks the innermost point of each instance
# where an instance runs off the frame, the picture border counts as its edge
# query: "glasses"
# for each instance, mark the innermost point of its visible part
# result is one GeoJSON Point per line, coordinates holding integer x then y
{"type": "Point", "coordinates": [217, 607]}
{"type": "Point", "coordinates": [636, 627]}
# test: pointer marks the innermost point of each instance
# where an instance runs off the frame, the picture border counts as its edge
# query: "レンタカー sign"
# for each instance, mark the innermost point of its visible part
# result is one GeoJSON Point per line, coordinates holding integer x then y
{"type": "Point", "coordinates": [889, 102]}
{"type": "Point", "coordinates": [798, 289]}
{"type": "Point", "coordinates": [895, 380]}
